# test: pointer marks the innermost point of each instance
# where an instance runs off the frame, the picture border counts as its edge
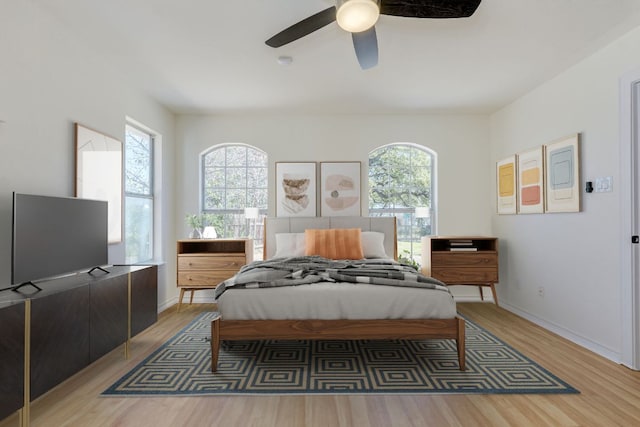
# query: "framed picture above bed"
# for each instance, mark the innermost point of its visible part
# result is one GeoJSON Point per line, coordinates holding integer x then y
{"type": "Point", "coordinates": [296, 189]}
{"type": "Point", "coordinates": [340, 189]}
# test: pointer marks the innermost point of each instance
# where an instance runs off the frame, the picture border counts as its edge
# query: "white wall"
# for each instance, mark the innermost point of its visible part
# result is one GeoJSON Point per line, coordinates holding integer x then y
{"type": "Point", "coordinates": [48, 80]}
{"type": "Point", "coordinates": [574, 256]}
{"type": "Point", "coordinates": [460, 143]}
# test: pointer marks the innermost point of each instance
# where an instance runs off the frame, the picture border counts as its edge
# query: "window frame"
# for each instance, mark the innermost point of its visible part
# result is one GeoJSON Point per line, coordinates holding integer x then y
{"type": "Point", "coordinates": [136, 195]}
{"type": "Point", "coordinates": [255, 224]}
{"type": "Point", "coordinates": [410, 210]}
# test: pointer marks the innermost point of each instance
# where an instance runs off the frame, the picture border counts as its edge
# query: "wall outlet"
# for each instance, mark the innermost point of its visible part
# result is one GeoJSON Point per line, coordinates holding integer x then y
{"type": "Point", "coordinates": [541, 291]}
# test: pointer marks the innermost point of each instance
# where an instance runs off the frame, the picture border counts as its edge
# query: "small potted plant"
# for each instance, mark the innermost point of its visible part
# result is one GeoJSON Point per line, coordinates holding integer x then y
{"type": "Point", "coordinates": [405, 258]}
{"type": "Point", "coordinates": [194, 221]}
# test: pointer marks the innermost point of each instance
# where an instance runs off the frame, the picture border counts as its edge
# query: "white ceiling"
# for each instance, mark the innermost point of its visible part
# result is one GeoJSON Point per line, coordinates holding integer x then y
{"type": "Point", "coordinates": [209, 56]}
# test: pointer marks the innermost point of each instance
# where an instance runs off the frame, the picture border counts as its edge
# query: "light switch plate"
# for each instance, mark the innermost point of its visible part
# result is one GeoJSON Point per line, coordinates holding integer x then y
{"type": "Point", "coordinates": [604, 184]}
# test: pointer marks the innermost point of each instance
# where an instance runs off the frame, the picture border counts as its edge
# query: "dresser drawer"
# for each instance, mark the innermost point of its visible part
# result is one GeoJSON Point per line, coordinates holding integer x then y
{"type": "Point", "coordinates": [465, 276]}
{"type": "Point", "coordinates": [465, 259]}
{"type": "Point", "coordinates": [209, 262]}
{"type": "Point", "coordinates": [203, 278]}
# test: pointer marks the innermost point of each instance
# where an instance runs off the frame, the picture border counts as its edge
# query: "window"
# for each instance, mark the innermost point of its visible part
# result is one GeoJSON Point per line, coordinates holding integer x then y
{"type": "Point", "coordinates": [234, 191]}
{"type": "Point", "coordinates": [401, 184]}
{"type": "Point", "coordinates": [138, 192]}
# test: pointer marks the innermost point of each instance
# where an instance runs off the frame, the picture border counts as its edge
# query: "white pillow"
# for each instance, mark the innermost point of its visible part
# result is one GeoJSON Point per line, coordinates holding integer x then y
{"type": "Point", "coordinates": [289, 245]}
{"type": "Point", "coordinates": [373, 244]}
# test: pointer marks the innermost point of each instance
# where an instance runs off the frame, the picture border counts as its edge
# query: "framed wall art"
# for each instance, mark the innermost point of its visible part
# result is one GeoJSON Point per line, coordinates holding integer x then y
{"type": "Point", "coordinates": [340, 189]}
{"type": "Point", "coordinates": [99, 174]}
{"type": "Point", "coordinates": [506, 185]}
{"type": "Point", "coordinates": [531, 181]}
{"type": "Point", "coordinates": [296, 189]}
{"type": "Point", "coordinates": [562, 180]}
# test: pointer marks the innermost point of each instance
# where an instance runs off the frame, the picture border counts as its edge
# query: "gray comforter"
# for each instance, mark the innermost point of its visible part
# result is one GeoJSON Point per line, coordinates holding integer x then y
{"type": "Point", "coordinates": [296, 271]}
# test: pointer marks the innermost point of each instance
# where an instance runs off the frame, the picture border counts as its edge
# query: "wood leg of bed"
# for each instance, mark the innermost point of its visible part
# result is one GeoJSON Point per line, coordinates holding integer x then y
{"type": "Point", "coordinates": [215, 343]}
{"type": "Point", "coordinates": [460, 344]}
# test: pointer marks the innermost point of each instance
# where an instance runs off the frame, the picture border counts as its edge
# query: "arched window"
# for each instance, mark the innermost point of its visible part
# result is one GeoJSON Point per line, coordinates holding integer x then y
{"type": "Point", "coordinates": [234, 191]}
{"type": "Point", "coordinates": [402, 184]}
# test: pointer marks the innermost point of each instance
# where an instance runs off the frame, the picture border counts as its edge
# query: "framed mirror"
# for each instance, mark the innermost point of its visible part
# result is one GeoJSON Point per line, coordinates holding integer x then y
{"type": "Point", "coordinates": [99, 173]}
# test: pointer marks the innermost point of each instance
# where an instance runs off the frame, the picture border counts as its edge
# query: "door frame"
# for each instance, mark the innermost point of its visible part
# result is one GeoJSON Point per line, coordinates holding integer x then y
{"type": "Point", "coordinates": [629, 200]}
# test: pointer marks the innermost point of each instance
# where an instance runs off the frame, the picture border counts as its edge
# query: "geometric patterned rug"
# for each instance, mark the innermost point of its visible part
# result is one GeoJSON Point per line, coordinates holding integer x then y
{"type": "Point", "coordinates": [182, 366]}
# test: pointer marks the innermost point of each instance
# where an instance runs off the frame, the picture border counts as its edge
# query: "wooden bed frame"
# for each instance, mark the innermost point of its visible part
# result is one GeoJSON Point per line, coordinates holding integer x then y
{"type": "Point", "coordinates": [235, 330]}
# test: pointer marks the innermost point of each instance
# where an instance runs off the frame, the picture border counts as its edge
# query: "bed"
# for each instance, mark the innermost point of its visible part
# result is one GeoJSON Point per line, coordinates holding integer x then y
{"type": "Point", "coordinates": [344, 307]}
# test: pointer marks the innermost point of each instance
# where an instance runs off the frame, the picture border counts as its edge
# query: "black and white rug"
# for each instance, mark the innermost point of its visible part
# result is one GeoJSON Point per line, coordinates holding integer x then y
{"type": "Point", "coordinates": [182, 366]}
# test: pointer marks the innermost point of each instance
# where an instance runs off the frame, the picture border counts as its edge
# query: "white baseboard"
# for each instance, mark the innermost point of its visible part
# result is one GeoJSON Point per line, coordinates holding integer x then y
{"type": "Point", "coordinates": [167, 304]}
{"type": "Point", "coordinates": [205, 297]}
{"type": "Point", "coordinates": [565, 333]}
{"type": "Point", "coordinates": [471, 298]}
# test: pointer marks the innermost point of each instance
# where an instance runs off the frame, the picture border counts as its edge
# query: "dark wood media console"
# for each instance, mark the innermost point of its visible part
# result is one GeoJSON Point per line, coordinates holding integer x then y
{"type": "Point", "coordinates": [51, 334]}
{"type": "Point", "coordinates": [11, 357]}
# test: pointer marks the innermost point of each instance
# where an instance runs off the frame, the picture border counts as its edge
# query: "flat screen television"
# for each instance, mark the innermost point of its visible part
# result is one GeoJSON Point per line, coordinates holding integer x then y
{"type": "Point", "coordinates": [53, 236]}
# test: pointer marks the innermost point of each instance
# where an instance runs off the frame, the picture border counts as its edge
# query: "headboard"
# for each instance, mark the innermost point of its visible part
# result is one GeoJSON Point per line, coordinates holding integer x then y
{"type": "Point", "coordinates": [386, 225]}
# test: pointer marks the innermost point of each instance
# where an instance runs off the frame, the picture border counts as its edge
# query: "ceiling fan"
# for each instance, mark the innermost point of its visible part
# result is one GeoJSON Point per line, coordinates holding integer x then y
{"type": "Point", "coordinates": [359, 18]}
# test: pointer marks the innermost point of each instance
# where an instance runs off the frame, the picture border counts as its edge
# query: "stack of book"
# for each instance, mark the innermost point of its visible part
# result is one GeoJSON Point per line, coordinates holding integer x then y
{"type": "Point", "coordinates": [462, 245]}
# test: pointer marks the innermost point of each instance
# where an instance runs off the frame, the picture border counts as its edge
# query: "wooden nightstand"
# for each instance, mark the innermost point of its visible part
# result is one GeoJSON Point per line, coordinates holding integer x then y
{"type": "Point", "coordinates": [462, 260]}
{"type": "Point", "coordinates": [205, 263]}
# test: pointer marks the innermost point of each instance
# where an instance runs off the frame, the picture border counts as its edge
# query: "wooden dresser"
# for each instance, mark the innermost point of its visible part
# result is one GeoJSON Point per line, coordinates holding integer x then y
{"type": "Point", "coordinates": [462, 260]}
{"type": "Point", "coordinates": [205, 263]}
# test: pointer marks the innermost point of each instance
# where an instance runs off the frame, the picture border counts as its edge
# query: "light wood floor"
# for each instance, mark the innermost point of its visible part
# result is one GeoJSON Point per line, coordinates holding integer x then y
{"type": "Point", "coordinates": [610, 393]}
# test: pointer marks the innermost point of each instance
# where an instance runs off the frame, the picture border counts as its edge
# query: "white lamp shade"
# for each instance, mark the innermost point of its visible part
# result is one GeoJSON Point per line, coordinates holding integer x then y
{"type": "Point", "coordinates": [356, 16]}
{"type": "Point", "coordinates": [251, 213]}
{"type": "Point", "coordinates": [209, 232]}
{"type": "Point", "coordinates": [423, 212]}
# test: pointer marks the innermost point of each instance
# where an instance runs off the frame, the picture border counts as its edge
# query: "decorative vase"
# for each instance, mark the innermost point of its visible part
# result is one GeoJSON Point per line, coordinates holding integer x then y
{"type": "Point", "coordinates": [195, 233]}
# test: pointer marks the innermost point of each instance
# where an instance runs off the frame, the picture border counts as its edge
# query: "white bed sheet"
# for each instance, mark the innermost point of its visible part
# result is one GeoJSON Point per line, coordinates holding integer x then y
{"type": "Point", "coordinates": [330, 301]}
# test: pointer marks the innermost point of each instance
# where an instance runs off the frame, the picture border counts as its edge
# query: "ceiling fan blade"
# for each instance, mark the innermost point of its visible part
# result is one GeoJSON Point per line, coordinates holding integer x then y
{"type": "Point", "coordinates": [429, 8]}
{"type": "Point", "coordinates": [366, 46]}
{"type": "Point", "coordinates": [303, 28]}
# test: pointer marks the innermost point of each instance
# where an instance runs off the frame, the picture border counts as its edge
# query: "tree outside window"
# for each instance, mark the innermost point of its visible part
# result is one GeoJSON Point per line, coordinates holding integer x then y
{"type": "Point", "coordinates": [401, 184]}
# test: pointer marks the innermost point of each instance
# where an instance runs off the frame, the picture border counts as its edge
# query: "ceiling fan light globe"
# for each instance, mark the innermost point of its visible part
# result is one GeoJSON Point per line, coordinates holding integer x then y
{"type": "Point", "coordinates": [356, 16]}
